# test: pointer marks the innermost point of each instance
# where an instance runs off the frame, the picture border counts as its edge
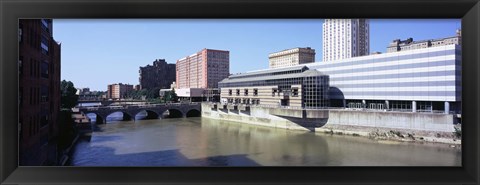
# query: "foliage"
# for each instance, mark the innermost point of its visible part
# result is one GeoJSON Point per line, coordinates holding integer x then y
{"type": "Point", "coordinates": [171, 96]}
{"type": "Point", "coordinates": [153, 93]}
{"type": "Point", "coordinates": [137, 94]}
{"type": "Point", "coordinates": [69, 98]}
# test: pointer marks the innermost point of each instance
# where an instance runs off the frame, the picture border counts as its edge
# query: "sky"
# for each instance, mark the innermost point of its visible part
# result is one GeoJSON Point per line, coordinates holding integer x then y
{"type": "Point", "coordinates": [98, 52]}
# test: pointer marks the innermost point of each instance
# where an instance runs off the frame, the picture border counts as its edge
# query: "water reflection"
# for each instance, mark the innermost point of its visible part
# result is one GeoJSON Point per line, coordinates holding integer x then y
{"type": "Point", "coordinates": [207, 142]}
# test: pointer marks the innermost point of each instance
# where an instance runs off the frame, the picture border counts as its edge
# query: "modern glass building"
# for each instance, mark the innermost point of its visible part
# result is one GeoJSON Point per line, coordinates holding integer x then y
{"type": "Point", "coordinates": [420, 80]}
{"type": "Point", "coordinates": [426, 80]}
{"type": "Point", "coordinates": [292, 87]}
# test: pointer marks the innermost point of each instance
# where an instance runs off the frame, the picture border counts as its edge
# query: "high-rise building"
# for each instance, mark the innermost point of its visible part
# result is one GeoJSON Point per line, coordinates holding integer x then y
{"type": "Point", "coordinates": [118, 91]}
{"type": "Point", "coordinates": [159, 75]}
{"type": "Point", "coordinates": [203, 69]}
{"type": "Point", "coordinates": [291, 57]}
{"type": "Point", "coordinates": [39, 92]}
{"type": "Point", "coordinates": [408, 44]}
{"type": "Point", "coordinates": [345, 38]}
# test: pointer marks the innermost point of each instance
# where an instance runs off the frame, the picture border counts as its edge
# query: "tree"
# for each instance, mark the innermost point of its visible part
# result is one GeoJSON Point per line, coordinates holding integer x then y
{"type": "Point", "coordinates": [153, 93]}
{"type": "Point", "coordinates": [173, 96]}
{"type": "Point", "coordinates": [69, 98]}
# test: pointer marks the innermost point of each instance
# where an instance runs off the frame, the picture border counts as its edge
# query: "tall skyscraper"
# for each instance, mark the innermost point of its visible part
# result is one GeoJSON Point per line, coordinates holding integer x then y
{"type": "Point", "coordinates": [203, 69]}
{"type": "Point", "coordinates": [159, 75]}
{"type": "Point", "coordinates": [39, 92]}
{"type": "Point", "coordinates": [345, 38]}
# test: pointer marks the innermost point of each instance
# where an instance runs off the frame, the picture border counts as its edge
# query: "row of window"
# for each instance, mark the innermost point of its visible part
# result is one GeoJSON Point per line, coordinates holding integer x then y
{"type": "Point", "coordinates": [36, 40]}
{"type": "Point", "coordinates": [36, 122]}
{"type": "Point", "coordinates": [37, 68]}
{"type": "Point", "coordinates": [245, 92]}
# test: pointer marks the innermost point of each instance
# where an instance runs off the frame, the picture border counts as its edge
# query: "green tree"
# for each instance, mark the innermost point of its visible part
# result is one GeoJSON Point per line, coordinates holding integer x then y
{"type": "Point", "coordinates": [69, 98]}
{"type": "Point", "coordinates": [153, 93]}
{"type": "Point", "coordinates": [173, 96]}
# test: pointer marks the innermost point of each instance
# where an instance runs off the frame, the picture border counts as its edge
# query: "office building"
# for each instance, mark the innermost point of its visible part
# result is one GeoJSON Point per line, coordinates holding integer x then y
{"type": "Point", "coordinates": [296, 86]}
{"type": "Point", "coordinates": [159, 75]}
{"type": "Point", "coordinates": [291, 57]}
{"type": "Point", "coordinates": [118, 91]}
{"type": "Point", "coordinates": [408, 44]}
{"type": "Point", "coordinates": [427, 79]}
{"type": "Point", "coordinates": [202, 70]}
{"type": "Point", "coordinates": [345, 38]}
{"type": "Point", "coordinates": [420, 80]}
{"type": "Point", "coordinates": [39, 92]}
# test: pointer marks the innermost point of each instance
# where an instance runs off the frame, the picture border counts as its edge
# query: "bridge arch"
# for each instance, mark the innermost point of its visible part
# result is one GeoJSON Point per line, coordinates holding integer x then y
{"type": "Point", "coordinates": [99, 119]}
{"type": "Point", "coordinates": [126, 116]}
{"type": "Point", "coordinates": [193, 113]}
{"type": "Point", "coordinates": [173, 113]}
{"type": "Point", "coordinates": [151, 114]}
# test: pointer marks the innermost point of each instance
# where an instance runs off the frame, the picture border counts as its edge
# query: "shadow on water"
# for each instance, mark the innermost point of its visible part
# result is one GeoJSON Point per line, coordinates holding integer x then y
{"type": "Point", "coordinates": [307, 123]}
{"type": "Point", "coordinates": [160, 158]}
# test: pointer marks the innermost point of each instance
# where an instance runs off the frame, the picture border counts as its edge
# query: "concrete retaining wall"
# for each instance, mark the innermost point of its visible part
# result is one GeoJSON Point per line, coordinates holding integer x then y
{"type": "Point", "coordinates": [256, 116]}
{"type": "Point", "coordinates": [393, 120]}
{"type": "Point", "coordinates": [387, 120]}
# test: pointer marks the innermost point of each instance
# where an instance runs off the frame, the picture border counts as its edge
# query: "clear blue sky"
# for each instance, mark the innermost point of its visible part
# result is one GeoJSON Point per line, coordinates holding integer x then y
{"type": "Point", "coordinates": [97, 52]}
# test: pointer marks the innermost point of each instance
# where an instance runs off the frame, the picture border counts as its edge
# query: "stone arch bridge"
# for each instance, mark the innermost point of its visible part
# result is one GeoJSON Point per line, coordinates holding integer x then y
{"type": "Point", "coordinates": [154, 111]}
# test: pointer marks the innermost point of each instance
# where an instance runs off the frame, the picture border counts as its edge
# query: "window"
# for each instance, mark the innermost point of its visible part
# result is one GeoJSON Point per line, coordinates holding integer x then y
{"type": "Point", "coordinates": [20, 65]}
{"type": "Point", "coordinates": [245, 92]}
{"type": "Point", "coordinates": [44, 94]}
{"type": "Point", "coordinates": [295, 92]}
{"type": "Point", "coordinates": [45, 24]}
{"type": "Point", "coordinates": [44, 70]}
{"type": "Point", "coordinates": [44, 120]}
{"type": "Point", "coordinates": [44, 45]}
{"type": "Point", "coordinates": [238, 92]}
{"type": "Point", "coordinates": [255, 92]}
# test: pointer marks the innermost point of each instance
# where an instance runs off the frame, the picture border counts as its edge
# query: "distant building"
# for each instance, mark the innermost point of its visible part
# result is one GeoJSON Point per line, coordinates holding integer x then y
{"type": "Point", "coordinates": [408, 44]}
{"type": "Point", "coordinates": [83, 91]}
{"type": "Point", "coordinates": [39, 92]}
{"type": "Point", "coordinates": [345, 38]}
{"type": "Point", "coordinates": [159, 75]}
{"type": "Point", "coordinates": [201, 70]}
{"type": "Point", "coordinates": [118, 91]}
{"type": "Point", "coordinates": [291, 57]}
{"type": "Point", "coordinates": [137, 87]}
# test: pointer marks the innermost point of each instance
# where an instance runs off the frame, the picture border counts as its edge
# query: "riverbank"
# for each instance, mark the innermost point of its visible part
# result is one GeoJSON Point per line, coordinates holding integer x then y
{"type": "Point", "coordinates": [395, 126]}
{"type": "Point", "coordinates": [393, 134]}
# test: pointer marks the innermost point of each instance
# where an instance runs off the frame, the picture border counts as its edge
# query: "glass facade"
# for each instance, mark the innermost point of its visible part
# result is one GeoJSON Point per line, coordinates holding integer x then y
{"type": "Point", "coordinates": [286, 86]}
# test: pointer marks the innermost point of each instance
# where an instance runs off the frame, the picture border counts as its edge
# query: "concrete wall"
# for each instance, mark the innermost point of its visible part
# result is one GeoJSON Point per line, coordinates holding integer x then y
{"type": "Point", "coordinates": [256, 116]}
{"type": "Point", "coordinates": [295, 119]}
{"type": "Point", "coordinates": [394, 120]}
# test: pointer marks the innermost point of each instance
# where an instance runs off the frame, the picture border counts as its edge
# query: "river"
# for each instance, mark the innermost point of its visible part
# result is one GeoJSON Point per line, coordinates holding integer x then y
{"type": "Point", "coordinates": [208, 142]}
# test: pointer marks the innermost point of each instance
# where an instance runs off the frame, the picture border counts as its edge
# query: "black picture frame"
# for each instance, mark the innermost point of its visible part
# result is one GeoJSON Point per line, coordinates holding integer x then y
{"type": "Point", "coordinates": [11, 11]}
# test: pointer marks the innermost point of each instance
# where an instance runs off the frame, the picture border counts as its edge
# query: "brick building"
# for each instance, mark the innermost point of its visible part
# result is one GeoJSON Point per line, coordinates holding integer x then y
{"type": "Point", "coordinates": [203, 69]}
{"type": "Point", "coordinates": [118, 91]}
{"type": "Point", "coordinates": [39, 92]}
{"type": "Point", "coordinates": [159, 75]}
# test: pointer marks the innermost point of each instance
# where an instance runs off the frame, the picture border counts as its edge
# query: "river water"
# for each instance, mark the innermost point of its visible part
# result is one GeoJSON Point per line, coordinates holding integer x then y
{"type": "Point", "coordinates": [208, 142]}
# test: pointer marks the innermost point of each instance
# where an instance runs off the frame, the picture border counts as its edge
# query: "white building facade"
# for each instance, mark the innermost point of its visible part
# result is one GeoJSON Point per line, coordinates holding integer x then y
{"type": "Point", "coordinates": [291, 57]}
{"type": "Point", "coordinates": [427, 79]}
{"type": "Point", "coordinates": [345, 38]}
